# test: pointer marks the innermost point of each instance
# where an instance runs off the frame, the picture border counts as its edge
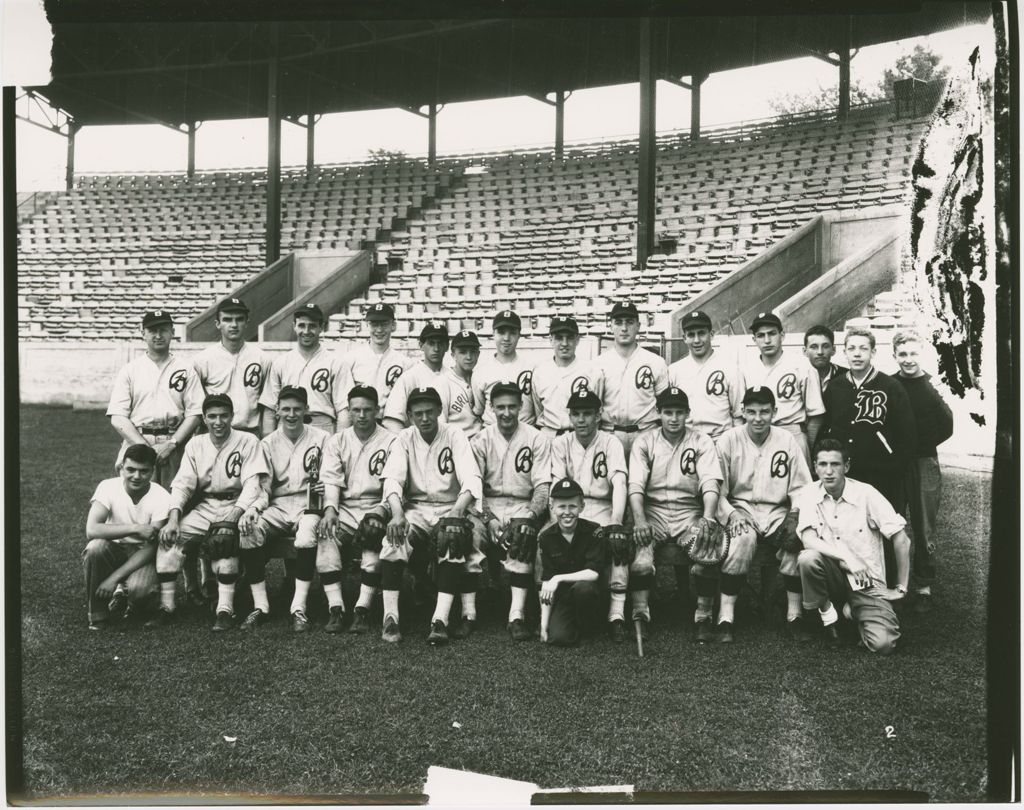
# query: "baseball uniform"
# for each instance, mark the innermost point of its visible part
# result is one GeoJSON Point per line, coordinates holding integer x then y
{"type": "Point", "coordinates": [460, 411]}
{"type": "Point", "coordinates": [381, 370]}
{"type": "Point", "coordinates": [418, 375]}
{"type": "Point", "coordinates": [241, 376]}
{"type": "Point", "coordinates": [714, 389]}
{"type": "Point", "coordinates": [594, 468]}
{"type": "Point", "coordinates": [629, 387]}
{"type": "Point", "coordinates": [797, 389]}
{"type": "Point", "coordinates": [490, 371]}
{"type": "Point", "coordinates": [325, 377]}
{"type": "Point", "coordinates": [551, 385]}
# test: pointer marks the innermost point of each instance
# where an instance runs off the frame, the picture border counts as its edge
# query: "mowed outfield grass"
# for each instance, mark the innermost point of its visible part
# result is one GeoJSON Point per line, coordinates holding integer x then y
{"type": "Point", "coordinates": [139, 711]}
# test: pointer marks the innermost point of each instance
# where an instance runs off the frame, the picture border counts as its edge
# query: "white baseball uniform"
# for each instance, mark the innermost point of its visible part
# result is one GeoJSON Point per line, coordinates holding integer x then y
{"type": "Point", "coordinates": [714, 388]}
{"type": "Point", "coordinates": [594, 468]}
{"type": "Point", "coordinates": [323, 374]}
{"type": "Point", "coordinates": [630, 385]}
{"type": "Point", "coordinates": [795, 384]}
{"type": "Point", "coordinates": [491, 371]}
{"type": "Point", "coordinates": [241, 376]}
{"type": "Point", "coordinates": [378, 369]}
{"type": "Point", "coordinates": [551, 386]}
{"type": "Point", "coordinates": [460, 410]}
{"type": "Point", "coordinates": [418, 375]}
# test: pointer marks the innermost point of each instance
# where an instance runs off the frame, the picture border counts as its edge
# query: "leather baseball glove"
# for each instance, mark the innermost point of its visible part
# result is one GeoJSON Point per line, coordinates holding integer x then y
{"type": "Point", "coordinates": [708, 542]}
{"type": "Point", "coordinates": [519, 540]}
{"type": "Point", "coordinates": [371, 532]}
{"type": "Point", "coordinates": [222, 540]}
{"type": "Point", "coordinates": [454, 537]}
{"type": "Point", "coordinates": [620, 543]}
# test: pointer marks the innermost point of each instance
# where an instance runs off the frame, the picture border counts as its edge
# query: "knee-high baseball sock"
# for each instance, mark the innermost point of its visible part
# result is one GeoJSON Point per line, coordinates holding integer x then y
{"type": "Point", "coordinates": [828, 614]}
{"type": "Point", "coordinates": [794, 597]}
{"type": "Point", "coordinates": [617, 607]}
{"type": "Point", "coordinates": [730, 585]}
{"type": "Point", "coordinates": [368, 587]}
{"type": "Point", "coordinates": [226, 593]}
{"type": "Point", "coordinates": [168, 582]}
{"type": "Point", "coordinates": [640, 607]}
{"type": "Point", "coordinates": [443, 607]}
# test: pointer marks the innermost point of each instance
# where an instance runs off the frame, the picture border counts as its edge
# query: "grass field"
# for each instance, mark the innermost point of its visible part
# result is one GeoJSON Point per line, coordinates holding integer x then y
{"type": "Point", "coordinates": [140, 711]}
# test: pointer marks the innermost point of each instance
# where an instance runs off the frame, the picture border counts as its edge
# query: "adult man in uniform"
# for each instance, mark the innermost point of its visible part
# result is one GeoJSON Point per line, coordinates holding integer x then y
{"type": "Point", "coordinates": [631, 378]}
{"type": "Point", "coordinates": [234, 367]}
{"type": "Point", "coordinates": [216, 482]}
{"type": "Point", "coordinates": [461, 409]}
{"type": "Point", "coordinates": [430, 474]}
{"type": "Point", "coordinates": [710, 379]}
{"type": "Point", "coordinates": [515, 464]}
{"type": "Point", "coordinates": [289, 504]}
{"type": "Point", "coordinates": [428, 372]}
{"type": "Point", "coordinates": [819, 349]}
{"type": "Point", "coordinates": [376, 363]}
{"type": "Point", "coordinates": [555, 380]}
{"type": "Point", "coordinates": [505, 365]}
{"type": "Point", "coordinates": [351, 473]}
{"type": "Point", "coordinates": [313, 367]}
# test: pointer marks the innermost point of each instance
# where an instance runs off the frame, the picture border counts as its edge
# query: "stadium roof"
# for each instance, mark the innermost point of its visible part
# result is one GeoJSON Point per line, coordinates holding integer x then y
{"type": "Point", "coordinates": [160, 62]}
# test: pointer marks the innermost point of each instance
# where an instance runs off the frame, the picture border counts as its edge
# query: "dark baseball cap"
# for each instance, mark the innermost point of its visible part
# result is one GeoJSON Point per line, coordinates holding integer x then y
{"type": "Point", "coordinates": [672, 397]}
{"type": "Point", "coordinates": [434, 329]}
{"type": "Point", "coordinates": [156, 318]}
{"type": "Point", "coordinates": [695, 319]}
{"type": "Point", "coordinates": [423, 395]}
{"type": "Point", "coordinates": [364, 392]}
{"type": "Point", "coordinates": [380, 312]}
{"type": "Point", "coordinates": [507, 318]}
{"type": "Point", "coordinates": [218, 400]}
{"type": "Point", "coordinates": [759, 395]}
{"type": "Point", "coordinates": [232, 305]}
{"type": "Point", "coordinates": [309, 310]}
{"type": "Point", "coordinates": [564, 323]}
{"type": "Point", "coordinates": [465, 338]}
{"type": "Point", "coordinates": [566, 488]}
{"type": "Point", "coordinates": [505, 388]}
{"type": "Point", "coordinates": [580, 400]}
{"type": "Point", "coordinates": [625, 309]}
{"type": "Point", "coordinates": [294, 392]}
{"type": "Point", "coordinates": [766, 319]}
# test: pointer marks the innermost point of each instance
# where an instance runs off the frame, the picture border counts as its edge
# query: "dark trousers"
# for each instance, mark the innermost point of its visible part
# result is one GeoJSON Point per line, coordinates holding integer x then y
{"type": "Point", "coordinates": [576, 611]}
{"type": "Point", "coordinates": [893, 487]}
{"type": "Point", "coordinates": [924, 492]}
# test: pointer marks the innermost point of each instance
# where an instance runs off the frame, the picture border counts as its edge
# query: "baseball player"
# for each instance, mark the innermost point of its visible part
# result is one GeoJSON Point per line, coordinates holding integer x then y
{"type": "Point", "coordinates": [427, 373]}
{"type": "Point", "coordinates": [460, 407]}
{"type": "Point", "coordinates": [290, 502]}
{"type": "Point", "coordinates": [312, 366]}
{"type": "Point", "coordinates": [556, 379]}
{"type": "Point", "coordinates": [125, 517]}
{"type": "Point", "coordinates": [631, 378]}
{"type": "Point", "coordinates": [842, 525]}
{"type": "Point", "coordinates": [794, 384]}
{"type": "Point", "coordinates": [234, 367]}
{"type": "Point", "coordinates": [376, 363]}
{"type": "Point", "coordinates": [710, 379]}
{"type": "Point", "coordinates": [819, 349]}
{"type": "Point", "coordinates": [430, 475]}
{"type": "Point", "coordinates": [674, 482]}
{"type": "Point", "coordinates": [351, 473]}
{"type": "Point", "coordinates": [763, 468]}
{"type": "Point", "coordinates": [505, 365]}
{"type": "Point", "coordinates": [572, 555]}
{"type": "Point", "coordinates": [216, 483]}
{"type": "Point", "coordinates": [515, 464]}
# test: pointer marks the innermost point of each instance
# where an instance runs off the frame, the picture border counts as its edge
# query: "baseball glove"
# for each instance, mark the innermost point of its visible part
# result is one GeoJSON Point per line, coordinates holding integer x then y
{"type": "Point", "coordinates": [222, 541]}
{"type": "Point", "coordinates": [708, 542]}
{"type": "Point", "coordinates": [519, 540]}
{"type": "Point", "coordinates": [454, 537]}
{"type": "Point", "coordinates": [371, 531]}
{"type": "Point", "coordinates": [786, 535]}
{"type": "Point", "coordinates": [620, 544]}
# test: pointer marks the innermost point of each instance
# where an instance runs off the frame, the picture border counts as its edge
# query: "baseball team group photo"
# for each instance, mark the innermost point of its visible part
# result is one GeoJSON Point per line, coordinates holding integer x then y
{"type": "Point", "coordinates": [658, 466]}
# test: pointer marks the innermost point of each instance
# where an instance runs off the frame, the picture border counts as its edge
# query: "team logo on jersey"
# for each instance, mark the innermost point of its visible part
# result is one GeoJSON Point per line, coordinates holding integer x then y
{"type": "Point", "coordinates": [786, 387]}
{"type": "Point", "coordinates": [872, 407]}
{"type": "Point", "coordinates": [525, 382]}
{"type": "Point", "coordinates": [311, 462]}
{"type": "Point", "coordinates": [253, 375]}
{"type": "Point", "coordinates": [579, 386]}
{"type": "Point", "coordinates": [445, 462]}
{"type": "Point", "coordinates": [392, 375]}
{"type": "Point", "coordinates": [715, 386]}
{"type": "Point", "coordinates": [458, 403]}
{"type": "Point", "coordinates": [524, 460]}
{"type": "Point", "coordinates": [377, 462]}
{"type": "Point", "coordinates": [780, 464]}
{"type": "Point", "coordinates": [599, 468]}
{"type": "Point", "coordinates": [233, 465]}
{"type": "Point", "coordinates": [644, 378]}
{"type": "Point", "coordinates": [177, 380]}
{"type": "Point", "coordinates": [321, 380]}
{"type": "Point", "coordinates": [688, 462]}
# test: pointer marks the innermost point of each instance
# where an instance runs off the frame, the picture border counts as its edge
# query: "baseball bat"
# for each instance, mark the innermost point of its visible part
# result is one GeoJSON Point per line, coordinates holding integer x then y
{"type": "Point", "coordinates": [638, 627]}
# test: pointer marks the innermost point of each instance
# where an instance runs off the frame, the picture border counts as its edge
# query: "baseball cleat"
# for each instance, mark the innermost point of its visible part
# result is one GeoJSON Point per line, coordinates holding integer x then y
{"type": "Point", "coordinates": [517, 630]}
{"type": "Point", "coordinates": [705, 632]}
{"type": "Point", "coordinates": [798, 630]}
{"type": "Point", "coordinates": [464, 629]}
{"type": "Point", "coordinates": [725, 633]}
{"type": "Point", "coordinates": [224, 621]}
{"type": "Point", "coordinates": [300, 624]}
{"type": "Point", "coordinates": [118, 602]}
{"type": "Point", "coordinates": [254, 620]}
{"type": "Point", "coordinates": [391, 633]}
{"type": "Point", "coordinates": [161, 618]}
{"type": "Point", "coordinates": [832, 640]}
{"type": "Point", "coordinates": [336, 619]}
{"type": "Point", "coordinates": [617, 630]}
{"type": "Point", "coordinates": [360, 621]}
{"type": "Point", "coordinates": [438, 634]}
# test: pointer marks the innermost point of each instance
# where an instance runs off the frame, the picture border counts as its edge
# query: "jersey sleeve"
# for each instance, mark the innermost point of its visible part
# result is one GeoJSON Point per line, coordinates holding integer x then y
{"type": "Point", "coordinates": [527, 413]}
{"type": "Point", "coordinates": [616, 457]}
{"type": "Point", "coordinates": [272, 385]}
{"type": "Point", "coordinates": [343, 383]}
{"type": "Point", "coordinates": [639, 468]}
{"type": "Point", "coordinates": [121, 395]}
{"type": "Point", "coordinates": [251, 466]}
{"type": "Point", "coordinates": [736, 390]}
{"type": "Point", "coordinates": [725, 507]}
{"type": "Point", "coordinates": [540, 475]}
{"type": "Point", "coordinates": [394, 408]}
{"type": "Point", "coordinates": [799, 472]}
{"type": "Point", "coordinates": [332, 470]}
{"type": "Point", "coordinates": [193, 398]}
{"type": "Point", "coordinates": [479, 397]}
{"type": "Point", "coordinates": [709, 468]}
{"type": "Point", "coordinates": [186, 479]}
{"type": "Point", "coordinates": [466, 469]}
{"type": "Point", "coordinates": [396, 468]}
{"type": "Point", "coordinates": [478, 444]}
{"type": "Point", "coordinates": [660, 375]}
{"type": "Point", "coordinates": [813, 401]}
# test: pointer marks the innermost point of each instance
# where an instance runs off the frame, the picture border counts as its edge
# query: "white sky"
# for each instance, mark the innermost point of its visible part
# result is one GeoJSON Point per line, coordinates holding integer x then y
{"type": "Point", "coordinates": [473, 126]}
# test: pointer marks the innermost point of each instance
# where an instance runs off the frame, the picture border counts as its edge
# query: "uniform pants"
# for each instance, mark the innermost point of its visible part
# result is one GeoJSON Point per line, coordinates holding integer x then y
{"type": "Point", "coordinates": [99, 560]}
{"type": "Point", "coordinates": [323, 421]}
{"type": "Point", "coordinates": [576, 611]}
{"type": "Point", "coordinates": [924, 493]}
{"type": "Point", "coordinates": [824, 581]}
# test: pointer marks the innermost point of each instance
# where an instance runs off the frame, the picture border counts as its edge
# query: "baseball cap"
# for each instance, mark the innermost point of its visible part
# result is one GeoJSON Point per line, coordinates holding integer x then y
{"type": "Point", "coordinates": [759, 395]}
{"type": "Point", "coordinates": [672, 397]}
{"type": "Point", "coordinates": [507, 318]}
{"type": "Point", "coordinates": [423, 395]}
{"type": "Point", "coordinates": [363, 391]}
{"type": "Point", "coordinates": [766, 319]}
{"type": "Point", "coordinates": [465, 338]}
{"type": "Point", "coordinates": [294, 392]}
{"type": "Point", "coordinates": [694, 319]}
{"type": "Point", "coordinates": [578, 400]}
{"type": "Point", "coordinates": [564, 323]}
{"type": "Point", "coordinates": [380, 312]}
{"type": "Point", "coordinates": [218, 400]}
{"type": "Point", "coordinates": [625, 309]}
{"type": "Point", "coordinates": [309, 310]}
{"type": "Point", "coordinates": [434, 329]}
{"type": "Point", "coordinates": [566, 488]}
{"type": "Point", "coordinates": [505, 388]}
{"type": "Point", "coordinates": [232, 305]}
{"type": "Point", "coordinates": [156, 317]}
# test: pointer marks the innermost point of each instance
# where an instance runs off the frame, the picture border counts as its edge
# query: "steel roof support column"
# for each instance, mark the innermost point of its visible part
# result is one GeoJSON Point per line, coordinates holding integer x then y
{"type": "Point", "coordinates": [273, 158]}
{"type": "Point", "coordinates": [431, 134]}
{"type": "Point", "coordinates": [69, 176]}
{"type": "Point", "coordinates": [560, 97]}
{"type": "Point", "coordinates": [648, 148]}
{"type": "Point", "coordinates": [310, 144]}
{"type": "Point", "coordinates": [191, 148]}
{"type": "Point", "coordinates": [844, 73]}
{"type": "Point", "coordinates": [695, 86]}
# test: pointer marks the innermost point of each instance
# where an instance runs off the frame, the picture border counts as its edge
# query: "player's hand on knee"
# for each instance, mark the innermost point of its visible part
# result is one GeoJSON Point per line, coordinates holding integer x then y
{"type": "Point", "coordinates": [106, 588]}
{"type": "Point", "coordinates": [642, 534]}
{"type": "Point", "coordinates": [398, 530]}
{"type": "Point", "coordinates": [328, 527]}
{"type": "Point", "coordinates": [247, 523]}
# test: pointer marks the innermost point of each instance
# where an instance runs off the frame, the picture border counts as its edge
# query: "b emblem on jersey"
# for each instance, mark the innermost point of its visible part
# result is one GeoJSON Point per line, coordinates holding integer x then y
{"type": "Point", "coordinates": [233, 465]}
{"type": "Point", "coordinates": [320, 380]}
{"type": "Point", "coordinates": [599, 468]}
{"type": "Point", "coordinates": [311, 462]}
{"type": "Point", "coordinates": [524, 460]}
{"type": "Point", "coordinates": [786, 387]}
{"type": "Point", "coordinates": [177, 380]}
{"type": "Point", "coordinates": [253, 375]}
{"type": "Point", "coordinates": [580, 385]}
{"type": "Point", "coordinates": [872, 407]}
{"type": "Point", "coordinates": [688, 462]}
{"type": "Point", "coordinates": [392, 375]}
{"type": "Point", "coordinates": [644, 378]}
{"type": "Point", "coordinates": [377, 462]}
{"type": "Point", "coordinates": [715, 386]}
{"type": "Point", "coordinates": [525, 382]}
{"type": "Point", "coordinates": [445, 462]}
{"type": "Point", "coordinates": [780, 464]}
